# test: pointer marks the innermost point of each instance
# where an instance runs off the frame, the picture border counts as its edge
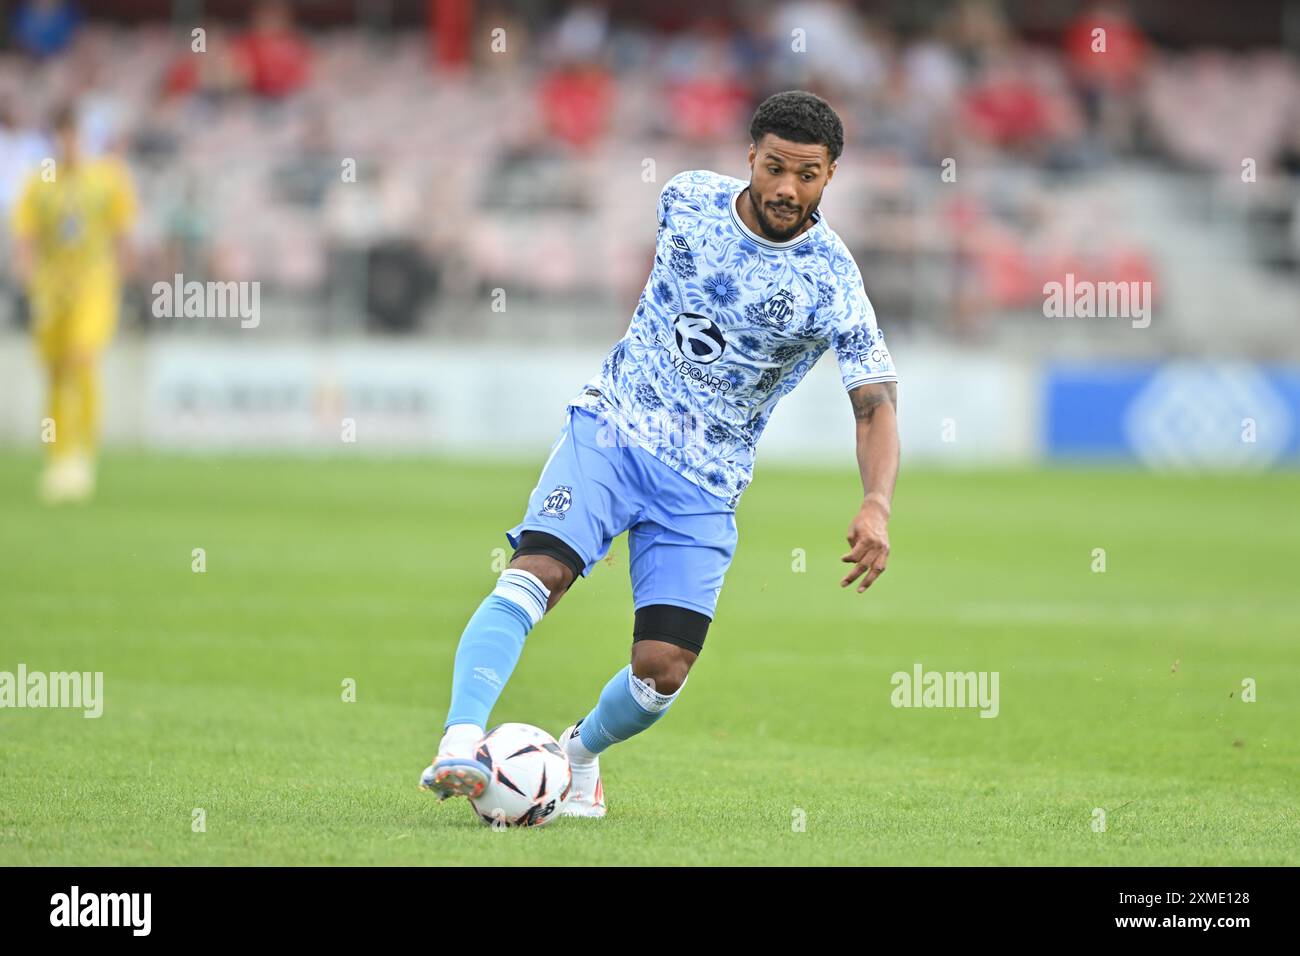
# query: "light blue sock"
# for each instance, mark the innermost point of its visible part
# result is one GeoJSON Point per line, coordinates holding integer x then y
{"type": "Point", "coordinates": [626, 707]}
{"type": "Point", "coordinates": [491, 644]}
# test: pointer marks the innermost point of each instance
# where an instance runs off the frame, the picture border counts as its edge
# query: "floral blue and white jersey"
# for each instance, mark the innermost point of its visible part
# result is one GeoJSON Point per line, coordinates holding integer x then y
{"type": "Point", "coordinates": [727, 324]}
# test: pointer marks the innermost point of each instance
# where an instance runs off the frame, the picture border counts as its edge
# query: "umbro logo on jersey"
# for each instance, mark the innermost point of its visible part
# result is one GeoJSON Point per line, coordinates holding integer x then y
{"type": "Point", "coordinates": [681, 243]}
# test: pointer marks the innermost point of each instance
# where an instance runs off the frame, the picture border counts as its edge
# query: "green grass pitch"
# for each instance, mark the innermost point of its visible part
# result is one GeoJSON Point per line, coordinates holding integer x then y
{"type": "Point", "coordinates": [1118, 690]}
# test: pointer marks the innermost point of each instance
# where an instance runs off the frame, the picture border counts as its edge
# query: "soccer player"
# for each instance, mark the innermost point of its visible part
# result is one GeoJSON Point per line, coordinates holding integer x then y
{"type": "Point", "coordinates": [70, 223]}
{"type": "Point", "coordinates": [749, 287]}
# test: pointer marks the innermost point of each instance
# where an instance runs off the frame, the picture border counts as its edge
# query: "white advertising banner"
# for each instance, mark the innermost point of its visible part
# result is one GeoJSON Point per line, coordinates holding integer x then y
{"type": "Point", "coordinates": [425, 397]}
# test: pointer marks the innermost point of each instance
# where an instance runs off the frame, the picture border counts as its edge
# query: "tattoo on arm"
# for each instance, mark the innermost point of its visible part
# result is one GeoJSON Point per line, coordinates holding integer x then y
{"type": "Point", "coordinates": [867, 398]}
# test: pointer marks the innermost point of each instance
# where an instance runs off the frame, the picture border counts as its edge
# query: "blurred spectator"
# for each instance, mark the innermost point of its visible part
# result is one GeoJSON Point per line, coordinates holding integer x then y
{"type": "Point", "coordinates": [1110, 60]}
{"type": "Point", "coordinates": [187, 233]}
{"type": "Point", "coordinates": [1105, 51]}
{"type": "Point", "coordinates": [21, 151]}
{"type": "Point", "coordinates": [1002, 106]}
{"type": "Point", "coordinates": [576, 101]}
{"type": "Point", "coordinates": [823, 44]}
{"type": "Point", "coordinates": [933, 74]}
{"type": "Point", "coordinates": [45, 27]}
{"type": "Point", "coordinates": [705, 98]}
{"type": "Point", "coordinates": [157, 137]}
{"type": "Point", "coordinates": [928, 97]}
{"type": "Point", "coordinates": [272, 56]}
{"type": "Point", "coordinates": [500, 15]}
{"type": "Point", "coordinates": [979, 32]}
{"type": "Point", "coordinates": [450, 23]}
{"type": "Point", "coordinates": [212, 75]}
{"type": "Point", "coordinates": [1287, 157]}
{"type": "Point", "coordinates": [581, 33]}
{"type": "Point", "coordinates": [101, 110]}
{"type": "Point", "coordinates": [305, 177]}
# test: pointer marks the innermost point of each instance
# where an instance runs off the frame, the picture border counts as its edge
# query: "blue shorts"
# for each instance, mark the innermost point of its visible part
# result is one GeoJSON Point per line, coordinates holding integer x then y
{"type": "Point", "coordinates": [681, 538]}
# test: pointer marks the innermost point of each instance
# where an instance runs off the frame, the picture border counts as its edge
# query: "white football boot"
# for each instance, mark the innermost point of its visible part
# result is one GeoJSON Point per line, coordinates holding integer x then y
{"type": "Point", "coordinates": [81, 480]}
{"type": "Point", "coordinates": [69, 478]}
{"type": "Point", "coordinates": [57, 481]}
{"type": "Point", "coordinates": [456, 771]}
{"type": "Point", "coordinates": [586, 793]}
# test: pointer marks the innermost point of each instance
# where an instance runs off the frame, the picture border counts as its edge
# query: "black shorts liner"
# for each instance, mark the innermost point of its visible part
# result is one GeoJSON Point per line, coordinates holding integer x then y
{"type": "Point", "coordinates": [539, 542]}
{"type": "Point", "coordinates": [680, 626]}
{"type": "Point", "coordinates": [668, 622]}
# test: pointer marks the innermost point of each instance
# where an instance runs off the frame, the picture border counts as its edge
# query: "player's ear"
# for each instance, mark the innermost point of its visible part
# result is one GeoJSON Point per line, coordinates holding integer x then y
{"type": "Point", "coordinates": [830, 172]}
{"type": "Point", "coordinates": [753, 151]}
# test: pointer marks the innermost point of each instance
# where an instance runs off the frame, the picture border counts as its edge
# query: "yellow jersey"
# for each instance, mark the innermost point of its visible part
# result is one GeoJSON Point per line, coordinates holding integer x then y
{"type": "Point", "coordinates": [73, 223]}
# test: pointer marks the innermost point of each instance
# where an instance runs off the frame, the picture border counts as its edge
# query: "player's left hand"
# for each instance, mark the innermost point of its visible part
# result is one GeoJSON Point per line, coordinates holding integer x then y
{"type": "Point", "coordinates": [868, 544]}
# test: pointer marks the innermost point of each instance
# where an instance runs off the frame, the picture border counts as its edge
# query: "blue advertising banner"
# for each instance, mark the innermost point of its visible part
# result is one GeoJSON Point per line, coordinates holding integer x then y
{"type": "Point", "coordinates": [1175, 415]}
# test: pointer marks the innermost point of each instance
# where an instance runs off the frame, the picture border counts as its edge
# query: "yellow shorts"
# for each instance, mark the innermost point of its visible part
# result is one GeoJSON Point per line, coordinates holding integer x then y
{"type": "Point", "coordinates": [67, 327]}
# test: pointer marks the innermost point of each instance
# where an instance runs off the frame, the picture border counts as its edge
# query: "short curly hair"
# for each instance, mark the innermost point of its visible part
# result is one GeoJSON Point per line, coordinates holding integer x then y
{"type": "Point", "coordinates": [800, 117]}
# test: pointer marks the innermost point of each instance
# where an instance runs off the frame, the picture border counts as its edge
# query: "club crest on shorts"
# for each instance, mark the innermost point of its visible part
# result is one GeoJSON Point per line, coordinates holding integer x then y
{"type": "Point", "coordinates": [557, 502]}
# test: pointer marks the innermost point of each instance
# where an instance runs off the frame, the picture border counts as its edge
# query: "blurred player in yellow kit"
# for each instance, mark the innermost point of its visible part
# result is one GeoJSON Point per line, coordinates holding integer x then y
{"type": "Point", "coordinates": [70, 222]}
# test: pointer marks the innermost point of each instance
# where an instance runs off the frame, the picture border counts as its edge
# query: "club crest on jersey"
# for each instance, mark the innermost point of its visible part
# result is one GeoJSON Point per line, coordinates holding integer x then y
{"type": "Point", "coordinates": [779, 308]}
{"type": "Point", "coordinates": [698, 338]}
{"type": "Point", "coordinates": [557, 502]}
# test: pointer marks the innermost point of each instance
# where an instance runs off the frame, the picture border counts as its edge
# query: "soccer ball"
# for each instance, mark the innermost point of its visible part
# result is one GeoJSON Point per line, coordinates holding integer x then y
{"type": "Point", "coordinates": [529, 776]}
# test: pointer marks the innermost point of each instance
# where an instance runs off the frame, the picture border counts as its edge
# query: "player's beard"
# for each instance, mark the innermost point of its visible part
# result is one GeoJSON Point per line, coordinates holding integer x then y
{"type": "Point", "coordinates": [770, 229]}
